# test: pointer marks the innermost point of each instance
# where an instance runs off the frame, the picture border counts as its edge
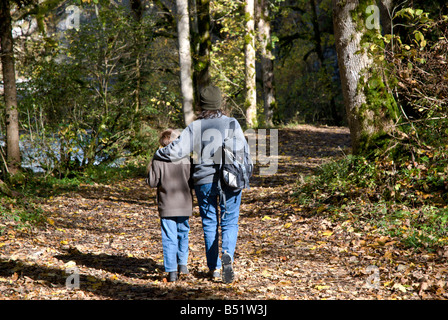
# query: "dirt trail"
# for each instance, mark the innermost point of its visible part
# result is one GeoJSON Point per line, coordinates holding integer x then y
{"type": "Point", "coordinates": [111, 234]}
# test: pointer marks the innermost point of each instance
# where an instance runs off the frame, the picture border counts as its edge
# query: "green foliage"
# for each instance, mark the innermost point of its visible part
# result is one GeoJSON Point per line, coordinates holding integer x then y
{"type": "Point", "coordinates": [400, 188]}
{"type": "Point", "coordinates": [307, 83]}
{"type": "Point", "coordinates": [420, 66]}
{"type": "Point", "coordinates": [406, 199]}
{"type": "Point", "coordinates": [103, 174]}
{"type": "Point", "coordinates": [145, 142]}
{"type": "Point", "coordinates": [19, 213]}
{"type": "Point", "coordinates": [94, 90]}
{"type": "Point", "coordinates": [227, 56]}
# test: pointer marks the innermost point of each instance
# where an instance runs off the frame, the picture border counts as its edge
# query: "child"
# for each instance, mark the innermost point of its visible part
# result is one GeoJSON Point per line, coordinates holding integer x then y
{"type": "Point", "coordinates": [175, 204]}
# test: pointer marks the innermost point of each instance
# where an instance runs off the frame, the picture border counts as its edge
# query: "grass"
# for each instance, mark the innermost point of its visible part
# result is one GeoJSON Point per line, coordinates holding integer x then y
{"type": "Point", "coordinates": [18, 213]}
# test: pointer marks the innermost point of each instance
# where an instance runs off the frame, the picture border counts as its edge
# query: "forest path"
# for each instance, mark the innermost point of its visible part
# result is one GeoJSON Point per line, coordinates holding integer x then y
{"type": "Point", "coordinates": [111, 234]}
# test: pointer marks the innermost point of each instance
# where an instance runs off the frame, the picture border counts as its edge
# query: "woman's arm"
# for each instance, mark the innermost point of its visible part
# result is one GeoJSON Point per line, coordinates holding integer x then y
{"type": "Point", "coordinates": [178, 149]}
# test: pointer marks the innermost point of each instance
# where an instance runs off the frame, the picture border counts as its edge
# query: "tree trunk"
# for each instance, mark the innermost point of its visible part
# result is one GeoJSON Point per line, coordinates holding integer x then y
{"type": "Point", "coordinates": [267, 65]}
{"type": "Point", "coordinates": [385, 7]}
{"type": "Point", "coordinates": [10, 91]}
{"type": "Point", "coordinates": [202, 46]}
{"type": "Point", "coordinates": [316, 33]}
{"type": "Point", "coordinates": [370, 107]}
{"type": "Point", "coordinates": [251, 93]}
{"type": "Point", "coordinates": [186, 82]}
{"type": "Point", "coordinates": [337, 119]}
{"type": "Point", "coordinates": [137, 11]}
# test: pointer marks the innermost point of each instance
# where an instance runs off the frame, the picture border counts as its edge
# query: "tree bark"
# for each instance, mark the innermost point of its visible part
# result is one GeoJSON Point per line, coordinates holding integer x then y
{"type": "Point", "coordinates": [251, 93]}
{"type": "Point", "coordinates": [137, 11]}
{"type": "Point", "coordinates": [10, 90]}
{"type": "Point", "coordinates": [202, 46]}
{"type": "Point", "coordinates": [316, 33]}
{"type": "Point", "coordinates": [370, 108]}
{"type": "Point", "coordinates": [385, 7]}
{"type": "Point", "coordinates": [186, 81]}
{"type": "Point", "coordinates": [267, 65]}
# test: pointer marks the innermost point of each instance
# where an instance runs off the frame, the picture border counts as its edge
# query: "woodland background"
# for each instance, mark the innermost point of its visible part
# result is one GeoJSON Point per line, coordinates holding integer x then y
{"type": "Point", "coordinates": [85, 100]}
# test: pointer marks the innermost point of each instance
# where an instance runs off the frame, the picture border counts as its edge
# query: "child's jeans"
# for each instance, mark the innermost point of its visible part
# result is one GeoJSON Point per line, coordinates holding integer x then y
{"type": "Point", "coordinates": [207, 195]}
{"type": "Point", "coordinates": [175, 242]}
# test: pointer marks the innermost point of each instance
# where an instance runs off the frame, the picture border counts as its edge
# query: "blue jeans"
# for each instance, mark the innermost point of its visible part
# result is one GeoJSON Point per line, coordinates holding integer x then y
{"type": "Point", "coordinates": [175, 242]}
{"type": "Point", "coordinates": [207, 195]}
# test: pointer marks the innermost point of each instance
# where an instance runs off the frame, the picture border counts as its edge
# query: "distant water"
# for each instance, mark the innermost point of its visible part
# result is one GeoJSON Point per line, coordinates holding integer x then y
{"type": "Point", "coordinates": [37, 156]}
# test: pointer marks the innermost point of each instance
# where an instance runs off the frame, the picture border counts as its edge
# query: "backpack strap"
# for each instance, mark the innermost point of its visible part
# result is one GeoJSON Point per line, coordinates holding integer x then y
{"type": "Point", "coordinates": [222, 194]}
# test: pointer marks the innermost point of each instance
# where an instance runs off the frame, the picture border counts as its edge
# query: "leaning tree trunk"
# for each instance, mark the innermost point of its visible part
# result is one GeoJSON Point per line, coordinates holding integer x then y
{"type": "Point", "coordinates": [370, 106]}
{"type": "Point", "coordinates": [10, 91]}
{"type": "Point", "coordinates": [251, 93]}
{"type": "Point", "coordinates": [267, 65]}
{"type": "Point", "coordinates": [186, 81]}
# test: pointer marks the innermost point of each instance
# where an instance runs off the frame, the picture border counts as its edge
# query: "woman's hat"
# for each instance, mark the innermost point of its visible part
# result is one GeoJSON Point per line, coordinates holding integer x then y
{"type": "Point", "coordinates": [211, 98]}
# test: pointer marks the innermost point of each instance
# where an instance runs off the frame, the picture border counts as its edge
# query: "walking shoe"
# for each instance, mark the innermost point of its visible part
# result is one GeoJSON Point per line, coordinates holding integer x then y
{"type": "Point", "coordinates": [172, 276]}
{"type": "Point", "coordinates": [215, 274]}
{"type": "Point", "coordinates": [227, 270]}
{"type": "Point", "coordinates": [183, 269]}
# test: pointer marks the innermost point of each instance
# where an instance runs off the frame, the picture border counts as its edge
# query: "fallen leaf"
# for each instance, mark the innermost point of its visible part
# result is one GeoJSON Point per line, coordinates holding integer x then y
{"type": "Point", "coordinates": [70, 264]}
{"type": "Point", "coordinates": [400, 287]}
{"type": "Point", "coordinates": [284, 283]}
{"type": "Point", "coordinates": [424, 286]}
{"type": "Point", "coordinates": [327, 233]}
{"type": "Point", "coordinates": [321, 287]}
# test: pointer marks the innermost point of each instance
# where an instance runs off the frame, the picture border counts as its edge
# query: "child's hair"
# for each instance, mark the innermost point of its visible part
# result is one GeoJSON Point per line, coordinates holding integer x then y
{"type": "Point", "coordinates": [168, 136]}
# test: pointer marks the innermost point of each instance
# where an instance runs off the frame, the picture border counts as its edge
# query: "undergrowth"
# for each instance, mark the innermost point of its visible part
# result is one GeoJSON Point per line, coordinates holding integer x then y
{"type": "Point", "coordinates": [405, 199]}
{"type": "Point", "coordinates": [400, 188]}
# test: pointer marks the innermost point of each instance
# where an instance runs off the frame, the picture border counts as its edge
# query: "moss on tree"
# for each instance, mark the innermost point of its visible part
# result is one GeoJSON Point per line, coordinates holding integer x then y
{"type": "Point", "coordinates": [380, 108]}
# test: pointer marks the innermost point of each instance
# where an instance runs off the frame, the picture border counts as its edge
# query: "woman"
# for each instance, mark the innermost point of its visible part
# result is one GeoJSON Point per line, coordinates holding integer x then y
{"type": "Point", "coordinates": [204, 138]}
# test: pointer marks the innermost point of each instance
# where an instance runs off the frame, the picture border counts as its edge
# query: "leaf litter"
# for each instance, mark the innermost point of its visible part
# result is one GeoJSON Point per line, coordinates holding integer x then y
{"type": "Point", "coordinates": [111, 235]}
